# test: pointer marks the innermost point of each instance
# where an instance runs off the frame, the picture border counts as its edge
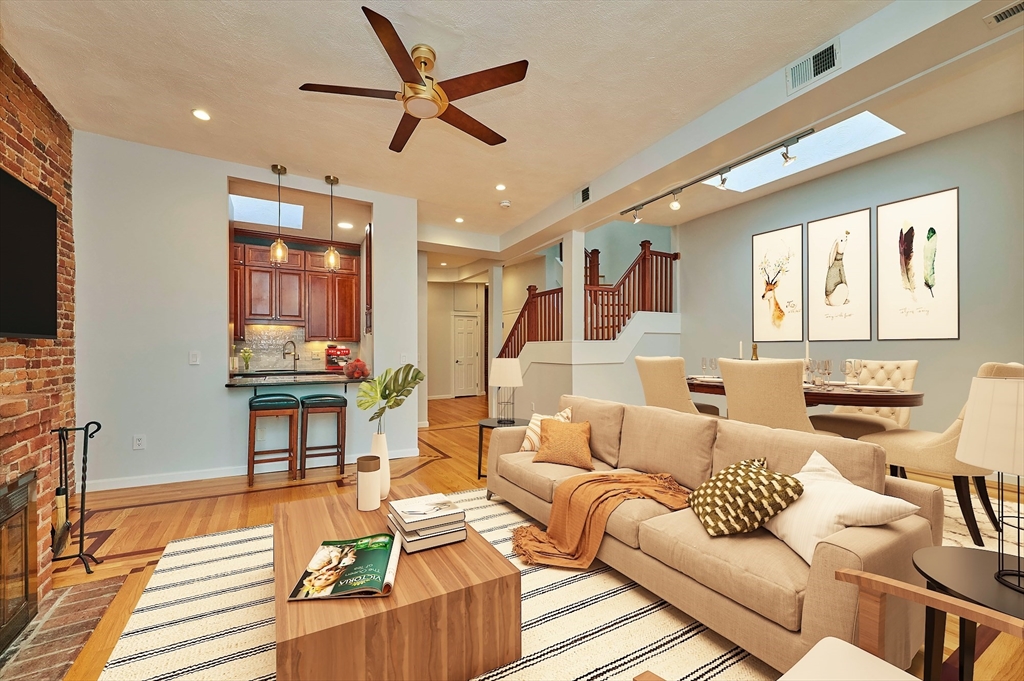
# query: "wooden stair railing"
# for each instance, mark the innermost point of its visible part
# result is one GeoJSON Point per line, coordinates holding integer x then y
{"type": "Point", "coordinates": [646, 286]}
{"type": "Point", "coordinates": [592, 267]}
{"type": "Point", "coordinates": [539, 320]}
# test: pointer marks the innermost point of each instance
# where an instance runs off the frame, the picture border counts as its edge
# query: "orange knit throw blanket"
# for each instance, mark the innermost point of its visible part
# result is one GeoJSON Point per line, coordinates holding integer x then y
{"type": "Point", "coordinates": [580, 512]}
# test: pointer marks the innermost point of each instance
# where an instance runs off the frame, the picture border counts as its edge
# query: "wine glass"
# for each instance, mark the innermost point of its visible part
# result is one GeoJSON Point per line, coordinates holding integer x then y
{"type": "Point", "coordinates": [827, 373]}
{"type": "Point", "coordinates": [713, 365]}
{"type": "Point", "coordinates": [703, 366]}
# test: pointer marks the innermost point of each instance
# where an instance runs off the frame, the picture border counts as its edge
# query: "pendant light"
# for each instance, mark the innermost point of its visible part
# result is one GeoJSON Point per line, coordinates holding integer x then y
{"type": "Point", "coordinates": [278, 250]}
{"type": "Point", "coordinates": [332, 261]}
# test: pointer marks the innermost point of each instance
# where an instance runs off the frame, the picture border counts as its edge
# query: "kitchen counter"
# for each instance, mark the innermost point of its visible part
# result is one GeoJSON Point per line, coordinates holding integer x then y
{"type": "Point", "coordinates": [266, 380]}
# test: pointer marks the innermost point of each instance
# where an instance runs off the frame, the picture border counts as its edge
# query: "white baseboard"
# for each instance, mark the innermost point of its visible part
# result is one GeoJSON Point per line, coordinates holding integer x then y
{"type": "Point", "coordinates": [224, 472]}
{"type": "Point", "coordinates": [441, 397]}
{"type": "Point", "coordinates": [424, 424]}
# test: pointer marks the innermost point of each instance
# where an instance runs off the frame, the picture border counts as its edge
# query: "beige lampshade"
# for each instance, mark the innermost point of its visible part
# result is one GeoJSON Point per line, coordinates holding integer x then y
{"type": "Point", "coordinates": [505, 373]}
{"type": "Point", "coordinates": [993, 432]}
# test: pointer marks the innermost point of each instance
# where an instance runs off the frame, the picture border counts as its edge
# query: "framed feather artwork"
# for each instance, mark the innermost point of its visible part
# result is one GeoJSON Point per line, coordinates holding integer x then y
{"type": "Point", "coordinates": [917, 244]}
{"type": "Point", "coordinates": [777, 285]}
{"type": "Point", "coordinates": [839, 277]}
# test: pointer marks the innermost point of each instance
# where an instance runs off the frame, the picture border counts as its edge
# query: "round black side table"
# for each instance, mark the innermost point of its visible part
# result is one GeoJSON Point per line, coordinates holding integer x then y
{"type": "Point", "coordinates": [968, 574]}
{"type": "Point", "coordinates": [491, 423]}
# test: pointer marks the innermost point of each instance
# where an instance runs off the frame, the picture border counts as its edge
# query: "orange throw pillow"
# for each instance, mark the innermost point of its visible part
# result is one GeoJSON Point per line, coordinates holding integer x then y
{"type": "Point", "coordinates": [565, 443]}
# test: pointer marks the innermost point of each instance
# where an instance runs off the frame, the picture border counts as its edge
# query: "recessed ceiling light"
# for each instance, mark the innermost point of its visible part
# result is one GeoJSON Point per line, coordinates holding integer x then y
{"type": "Point", "coordinates": [458, 220]}
{"type": "Point", "coordinates": [444, 264]}
{"type": "Point", "coordinates": [500, 187]}
{"type": "Point", "coordinates": [345, 225]}
{"type": "Point", "coordinates": [200, 114]}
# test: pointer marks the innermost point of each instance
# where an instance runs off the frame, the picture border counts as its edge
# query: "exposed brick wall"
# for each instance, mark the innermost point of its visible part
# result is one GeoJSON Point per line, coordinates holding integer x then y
{"type": "Point", "coordinates": [37, 377]}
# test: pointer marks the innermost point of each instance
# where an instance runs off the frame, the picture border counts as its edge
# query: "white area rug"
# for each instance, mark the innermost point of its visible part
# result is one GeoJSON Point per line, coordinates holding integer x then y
{"type": "Point", "coordinates": [208, 613]}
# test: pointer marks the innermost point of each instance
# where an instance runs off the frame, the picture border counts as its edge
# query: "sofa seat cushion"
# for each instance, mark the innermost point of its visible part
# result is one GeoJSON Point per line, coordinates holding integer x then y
{"type": "Point", "coordinates": [539, 479]}
{"type": "Point", "coordinates": [624, 522]}
{"type": "Point", "coordinates": [755, 569]}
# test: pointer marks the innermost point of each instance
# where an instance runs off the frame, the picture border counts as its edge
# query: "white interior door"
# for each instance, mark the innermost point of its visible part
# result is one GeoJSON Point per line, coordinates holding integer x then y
{"type": "Point", "coordinates": [467, 348]}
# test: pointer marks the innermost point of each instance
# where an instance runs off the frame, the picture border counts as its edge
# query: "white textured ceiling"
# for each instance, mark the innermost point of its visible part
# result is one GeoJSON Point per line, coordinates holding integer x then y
{"type": "Point", "coordinates": [606, 80]}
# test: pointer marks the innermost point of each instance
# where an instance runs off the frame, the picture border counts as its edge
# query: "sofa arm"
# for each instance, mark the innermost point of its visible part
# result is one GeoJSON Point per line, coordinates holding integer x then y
{"type": "Point", "coordinates": [830, 607]}
{"type": "Point", "coordinates": [928, 497]}
{"type": "Point", "coordinates": [503, 441]}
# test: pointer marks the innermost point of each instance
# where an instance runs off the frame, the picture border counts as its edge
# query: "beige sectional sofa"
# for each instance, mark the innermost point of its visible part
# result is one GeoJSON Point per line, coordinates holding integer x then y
{"type": "Point", "coordinates": [752, 588]}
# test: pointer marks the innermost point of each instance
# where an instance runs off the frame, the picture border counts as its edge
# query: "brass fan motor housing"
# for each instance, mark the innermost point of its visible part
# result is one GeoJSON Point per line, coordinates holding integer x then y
{"type": "Point", "coordinates": [428, 100]}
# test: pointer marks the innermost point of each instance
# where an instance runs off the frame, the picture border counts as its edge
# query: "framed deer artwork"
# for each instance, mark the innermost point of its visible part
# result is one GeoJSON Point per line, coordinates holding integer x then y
{"type": "Point", "coordinates": [778, 285]}
{"type": "Point", "coordinates": [839, 277]}
{"type": "Point", "coordinates": [918, 250]}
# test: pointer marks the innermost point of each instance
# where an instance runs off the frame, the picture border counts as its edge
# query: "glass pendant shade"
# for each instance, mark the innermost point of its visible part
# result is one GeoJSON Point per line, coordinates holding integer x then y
{"type": "Point", "coordinates": [332, 260]}
{"type": "Point", "coordinates": [278, 253]}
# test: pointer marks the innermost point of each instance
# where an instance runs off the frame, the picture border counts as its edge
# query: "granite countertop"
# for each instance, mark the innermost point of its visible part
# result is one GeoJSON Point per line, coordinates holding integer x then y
{"type": "Point", "coordinates": [257, 380]}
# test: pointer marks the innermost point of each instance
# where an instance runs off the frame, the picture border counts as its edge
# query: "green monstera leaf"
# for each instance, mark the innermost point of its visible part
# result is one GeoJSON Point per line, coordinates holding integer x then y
{"type": "Point", "coordinates": [388, 390]}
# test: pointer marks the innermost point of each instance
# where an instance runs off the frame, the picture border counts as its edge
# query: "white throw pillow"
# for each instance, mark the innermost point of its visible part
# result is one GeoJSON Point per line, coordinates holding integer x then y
{"type": "Point", "coordinates": [531, 442]}
{"type": "Point", "coordinates": [831, 503]}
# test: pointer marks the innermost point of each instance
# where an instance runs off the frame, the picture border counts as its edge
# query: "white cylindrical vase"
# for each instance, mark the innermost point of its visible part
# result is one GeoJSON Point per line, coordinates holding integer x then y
{"type": "Point", "coordinates": [379, 448]}
{"type": "Point", "coordinates": [368, 483]}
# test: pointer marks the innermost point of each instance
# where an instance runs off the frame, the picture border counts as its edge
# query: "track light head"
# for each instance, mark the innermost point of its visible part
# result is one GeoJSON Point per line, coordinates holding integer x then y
{"type": "Point", "coordinates": [636, 216]}
{"type": "Point", "coordinates": [675, 201]}
{"type": "Point", "coordinates": [786, 158]}
{"type": "Point", "coordinates": [721, 185]}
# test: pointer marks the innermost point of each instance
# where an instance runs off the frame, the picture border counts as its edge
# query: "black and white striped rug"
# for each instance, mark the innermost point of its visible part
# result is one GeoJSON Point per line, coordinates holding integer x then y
{"type": "Point", "coordinates": [208, 613]}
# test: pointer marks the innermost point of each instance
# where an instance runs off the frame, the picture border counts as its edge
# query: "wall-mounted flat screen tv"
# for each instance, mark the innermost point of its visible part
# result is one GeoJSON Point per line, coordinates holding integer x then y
{"type": "Point", "coordinates": [28, 261]}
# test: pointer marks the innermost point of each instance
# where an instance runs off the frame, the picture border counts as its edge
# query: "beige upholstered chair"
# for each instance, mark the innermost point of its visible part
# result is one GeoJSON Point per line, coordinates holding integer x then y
{"type": "Point", "coordinates": [852, 422]}
{"type": "Point", "coordinates": [767, 392]}
{"type": "Point", "coordinates": [664, 383]}
{"type": "Point", "coordinates": [935, 453]}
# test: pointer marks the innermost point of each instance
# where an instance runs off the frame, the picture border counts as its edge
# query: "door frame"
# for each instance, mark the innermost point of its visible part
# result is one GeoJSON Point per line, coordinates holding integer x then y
{"type": "Point", "coordinates": [479, 357]}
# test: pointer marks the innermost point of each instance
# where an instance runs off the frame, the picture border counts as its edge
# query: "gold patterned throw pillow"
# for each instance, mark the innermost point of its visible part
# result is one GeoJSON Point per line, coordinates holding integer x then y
{"type": "Point", "coordinates": [742, 497]}
{"type": "Point", "coordinates": [531, 442]}
{"type": "Point", "coordinates": [565, 443]}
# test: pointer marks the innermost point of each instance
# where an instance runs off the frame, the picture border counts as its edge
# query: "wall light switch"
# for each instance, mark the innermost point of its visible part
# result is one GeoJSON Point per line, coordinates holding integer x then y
{"type": "Point", "coordinates": [193, 357]}
{"type": "Point", "coordinates": [138, 441]}
{"type": "Point", "coordinates": [261, 434]}
{"type": "Point", "coordinates": [405, 358]}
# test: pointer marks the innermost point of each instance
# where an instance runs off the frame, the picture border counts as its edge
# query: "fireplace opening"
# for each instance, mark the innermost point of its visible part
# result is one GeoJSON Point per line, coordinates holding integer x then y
{"type": "Point", "coordinates": [18, 523]}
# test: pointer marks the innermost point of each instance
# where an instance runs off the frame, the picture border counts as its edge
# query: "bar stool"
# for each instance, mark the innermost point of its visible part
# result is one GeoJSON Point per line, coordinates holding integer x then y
{"type": "Point", "coordinates": [323, 404]}
{"type": "Point", "coordinates": [274, 405]}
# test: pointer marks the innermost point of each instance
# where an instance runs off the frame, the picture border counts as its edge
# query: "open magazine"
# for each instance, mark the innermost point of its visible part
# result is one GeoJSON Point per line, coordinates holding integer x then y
{"type": "Point", "coordinates": [363, 567]}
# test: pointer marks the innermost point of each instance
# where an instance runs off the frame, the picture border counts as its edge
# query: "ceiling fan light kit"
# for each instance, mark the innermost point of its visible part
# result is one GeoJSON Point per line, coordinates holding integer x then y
{"type": "Point", "coordinates": [422, 96]}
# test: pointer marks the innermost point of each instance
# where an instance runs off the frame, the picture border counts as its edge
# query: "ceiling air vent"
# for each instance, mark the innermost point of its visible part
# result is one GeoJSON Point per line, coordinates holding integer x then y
{"type": "Point", "coordinates": [813, 67]}
{"type": "Point", "coordinates": [1005, 13]}
{"type": "Point", "coordinates": [581, 197]}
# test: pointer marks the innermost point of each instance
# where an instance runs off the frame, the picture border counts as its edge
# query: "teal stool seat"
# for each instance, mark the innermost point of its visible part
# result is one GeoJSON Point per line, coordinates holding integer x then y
{"type": "Point", "coordinates": [323, 401]}
{"type": "Point", "coordinates": [272, 401]}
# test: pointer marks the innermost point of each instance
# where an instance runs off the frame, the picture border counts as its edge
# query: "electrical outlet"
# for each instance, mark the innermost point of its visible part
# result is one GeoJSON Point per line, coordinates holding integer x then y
{"type": "Point", "coordinates": [138, 442]}
{"type": "Point", "coordinates": [405, 358]}
{"type": "Point", "coordinates": [193, 357]}
{"type": "Point", "coordinates": [261, 434]}
{"type": "Point", "coordinates": [315, 356]}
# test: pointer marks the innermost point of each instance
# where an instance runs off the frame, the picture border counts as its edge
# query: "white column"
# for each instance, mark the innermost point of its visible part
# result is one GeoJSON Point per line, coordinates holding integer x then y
{"type": "Point", "coordinates": [421, 338]}
{"type": "Point", "coordinates": [494, 331]}
{"type": "Point", "coordinates": [572, 286]}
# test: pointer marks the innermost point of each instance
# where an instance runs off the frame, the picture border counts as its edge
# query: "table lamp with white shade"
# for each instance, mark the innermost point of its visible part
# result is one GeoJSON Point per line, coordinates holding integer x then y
{"type": "Point", "coordinates": [506, 376]}
{"type": "Point", "coordinates": [992, 437]}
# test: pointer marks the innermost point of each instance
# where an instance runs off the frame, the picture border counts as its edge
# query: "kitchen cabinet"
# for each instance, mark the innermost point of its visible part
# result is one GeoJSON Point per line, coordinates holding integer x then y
{"type": "Point", "coordinates": [318, 306]}
{"type": "Point", "coordinates": [315, 263]}
{"type": "Point", "coordinates": [237, 309]}
{"type": "Point", "coordinates": [346, 307]}
{"type": "Point", "coordinates": [238, 254]}
{"type": "Point", "coordinates": [291, 292]}
{"type": "Point", "coordinates": [259, 294]}
{"type": "Point", "coordinates": [274, 296]}
{"type": "Point", "coordinates": [332, 307]}
{"type": "Point", "coordinates": [259, 256]}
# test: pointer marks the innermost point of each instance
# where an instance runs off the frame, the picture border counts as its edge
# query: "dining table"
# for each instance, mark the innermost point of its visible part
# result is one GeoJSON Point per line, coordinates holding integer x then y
{"type": "Point", "coordinates": [833, 394]}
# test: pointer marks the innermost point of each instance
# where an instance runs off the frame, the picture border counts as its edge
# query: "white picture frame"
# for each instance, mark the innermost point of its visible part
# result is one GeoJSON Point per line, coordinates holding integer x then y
{"type": "Point", "coordinates": [839, 277]}
{"type": "Point", "coordinates": [918, 297]}
{"type": "Point", "coordinates": [777, 288]}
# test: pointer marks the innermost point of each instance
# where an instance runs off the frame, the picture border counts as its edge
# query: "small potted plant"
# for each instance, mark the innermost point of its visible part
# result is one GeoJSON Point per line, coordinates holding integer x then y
{"type": "Point", "coordinates": [246, 355]}
{"type": "Point", "coordinates": [388, 390]}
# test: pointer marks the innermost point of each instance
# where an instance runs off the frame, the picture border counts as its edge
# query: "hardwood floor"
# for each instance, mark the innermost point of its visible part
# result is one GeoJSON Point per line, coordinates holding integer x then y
{"type": "Point", "coordinates": [129, 528]}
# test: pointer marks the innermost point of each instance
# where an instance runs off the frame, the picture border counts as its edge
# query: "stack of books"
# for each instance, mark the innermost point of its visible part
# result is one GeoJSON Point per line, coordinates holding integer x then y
{"type": "Point", "coordinates": [426, 522]}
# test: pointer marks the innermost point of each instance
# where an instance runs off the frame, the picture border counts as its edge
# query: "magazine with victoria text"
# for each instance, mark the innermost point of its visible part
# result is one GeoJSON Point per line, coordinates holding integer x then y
{"type": "Point", "coordinates": [363, 567]}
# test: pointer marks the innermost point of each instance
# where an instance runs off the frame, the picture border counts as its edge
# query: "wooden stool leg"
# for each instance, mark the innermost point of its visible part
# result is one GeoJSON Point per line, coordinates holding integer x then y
{"type": "Point", "coordinates": [293, 444]}
{"type": "Point", "coordinates": [302, 447]}
{"type": "Point", "coordinates": [252, 445]}
{"type": "Point", "coordinates": [341, 441]}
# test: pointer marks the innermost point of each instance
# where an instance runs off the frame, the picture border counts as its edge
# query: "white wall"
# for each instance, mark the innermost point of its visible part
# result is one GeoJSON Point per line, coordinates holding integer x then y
{"type": "Point", "coordinates": [152, 285]}
{"type": "Point", "coordinates": [422, 348]}
{"type": "Point", "coordinates": [514, 282]}
{"type": "Point", "coordinates": [444, 300]}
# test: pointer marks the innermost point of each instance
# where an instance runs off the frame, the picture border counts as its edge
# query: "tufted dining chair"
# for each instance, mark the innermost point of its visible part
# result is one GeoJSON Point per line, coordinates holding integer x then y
{"type": "Point", "coordinates": [664, 383]}
{"type": "Point", "coordinates": [767, 392]}
{"type": "Point", "coordinates": [852, 422]}
{"type": "Point", "coordinates": [936, 453]}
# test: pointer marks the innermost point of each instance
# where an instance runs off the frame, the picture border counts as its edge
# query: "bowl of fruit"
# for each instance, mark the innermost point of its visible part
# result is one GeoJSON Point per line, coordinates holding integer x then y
{"type": "Point", "coordinates": [357, 369]}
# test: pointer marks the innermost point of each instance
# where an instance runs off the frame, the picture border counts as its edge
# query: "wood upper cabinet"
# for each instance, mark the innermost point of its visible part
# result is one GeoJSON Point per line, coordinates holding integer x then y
{"type": "Point", "coordinates": [315, 263]}
{"type": "Point", "coordinates": [237, 305]}
{"type": "Point", "coordinates": [318, 306]}
{"type": "Point", "coordinates": [238, 254]}
{"type": "Point", "coordinates": [346, 307]}
{"type": "Point", "coordinates": [291, 294]}
{"type": "Point", "coordinates": [259, 256]}
{"type": "Point", "coordinates": [260, 290]}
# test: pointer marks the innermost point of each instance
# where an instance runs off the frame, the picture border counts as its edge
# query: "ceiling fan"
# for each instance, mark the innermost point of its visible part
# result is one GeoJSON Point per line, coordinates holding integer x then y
{"type": "Point", "coordinates": [421, 94]}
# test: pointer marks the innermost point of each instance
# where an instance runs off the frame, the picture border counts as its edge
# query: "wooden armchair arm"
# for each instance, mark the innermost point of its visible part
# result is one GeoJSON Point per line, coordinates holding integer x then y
{"type": "Point", "coordinates": [871, 608]}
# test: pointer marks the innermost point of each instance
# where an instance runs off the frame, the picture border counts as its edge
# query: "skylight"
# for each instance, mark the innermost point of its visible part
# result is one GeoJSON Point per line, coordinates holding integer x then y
{"type": "Point", "coordinates": [263, 212]}
{"type": "Point", "coordinates": [859, 132]}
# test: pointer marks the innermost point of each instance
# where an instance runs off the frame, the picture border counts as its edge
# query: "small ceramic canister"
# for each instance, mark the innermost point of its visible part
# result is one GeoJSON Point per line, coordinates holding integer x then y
{"type": "Point", "coordinates": [368, 483]}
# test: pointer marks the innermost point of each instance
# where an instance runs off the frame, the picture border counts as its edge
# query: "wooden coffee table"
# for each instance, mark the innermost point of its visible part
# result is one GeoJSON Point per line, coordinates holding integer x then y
{"type": "Point", "coordinates": [454, 612]}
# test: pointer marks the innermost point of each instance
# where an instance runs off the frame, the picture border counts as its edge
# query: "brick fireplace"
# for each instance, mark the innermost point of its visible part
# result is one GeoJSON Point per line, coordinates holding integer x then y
{"type": "Point", "coordinates": [37, 377]}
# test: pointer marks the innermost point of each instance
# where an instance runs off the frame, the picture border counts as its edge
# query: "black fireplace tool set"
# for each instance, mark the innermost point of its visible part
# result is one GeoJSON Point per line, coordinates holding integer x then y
{"type": "Point", "coordinates": [59, 534]}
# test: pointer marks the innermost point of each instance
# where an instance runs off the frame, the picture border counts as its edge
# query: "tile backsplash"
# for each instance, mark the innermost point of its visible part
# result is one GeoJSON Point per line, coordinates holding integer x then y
{"type": "Point", "coordinates": [267, 344]}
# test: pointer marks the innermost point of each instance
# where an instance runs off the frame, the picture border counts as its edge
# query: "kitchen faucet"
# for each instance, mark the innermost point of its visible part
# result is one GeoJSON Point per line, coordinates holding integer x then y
{"type": "Point", "coordinates": [293, 352]}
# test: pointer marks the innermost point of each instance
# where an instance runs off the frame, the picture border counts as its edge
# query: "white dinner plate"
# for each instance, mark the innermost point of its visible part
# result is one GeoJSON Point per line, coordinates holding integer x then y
{"type": "Point", "coordinates": [874, 388]}
{"type": "Point", "coordinates": [707, 379]}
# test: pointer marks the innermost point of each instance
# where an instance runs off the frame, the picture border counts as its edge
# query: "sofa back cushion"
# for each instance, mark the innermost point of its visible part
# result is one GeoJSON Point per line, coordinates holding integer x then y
{"type": "Point", "coordinates": [656, 440]}
{"type": "Point", "coordinates": [862, 463]}
{"type": "Point", "coordinates": [605, 424]}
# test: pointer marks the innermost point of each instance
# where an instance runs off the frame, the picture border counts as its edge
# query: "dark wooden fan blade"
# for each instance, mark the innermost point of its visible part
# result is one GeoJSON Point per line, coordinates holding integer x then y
{"type": "Point", "coordinates": [354, 91]}
{"type": "Point", "coordinates": [460, 119]}
{"type": "Point", "coordinates": [482, 81]}
{"type": "Point", "coordinates": [388, 37]}
{"type": "Point", "coordinates": [404, 132]}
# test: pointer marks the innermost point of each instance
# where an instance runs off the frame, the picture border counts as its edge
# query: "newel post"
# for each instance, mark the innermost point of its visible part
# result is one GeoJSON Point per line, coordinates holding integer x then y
{"type": "Point", "coordinates": [646, 280]}
{"type": "Point", "coordinates": [595, 268]}
{"type": "Point", "coordinates": [532, 319]}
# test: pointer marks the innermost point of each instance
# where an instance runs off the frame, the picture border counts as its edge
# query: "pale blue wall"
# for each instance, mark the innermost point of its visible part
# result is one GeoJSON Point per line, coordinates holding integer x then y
{"type": "Point", "coordinates": [619, 243]}
{"type": "Point", "coordinates": [986, 163]}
